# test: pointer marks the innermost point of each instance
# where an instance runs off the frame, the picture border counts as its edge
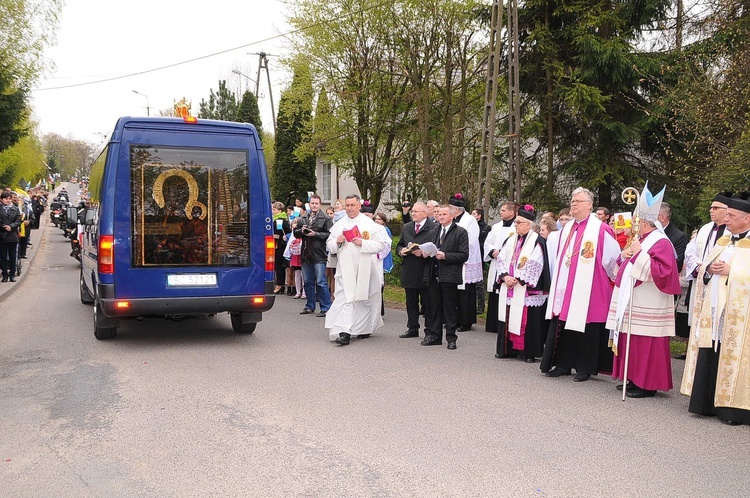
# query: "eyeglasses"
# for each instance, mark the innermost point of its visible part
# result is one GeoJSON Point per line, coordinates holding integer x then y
{"type": "Point", "coordinates": [713, 208]}
{"type": "Point", "coordinates": [576, 201]}
{"type": "Point", "coordinates": [521, 222]}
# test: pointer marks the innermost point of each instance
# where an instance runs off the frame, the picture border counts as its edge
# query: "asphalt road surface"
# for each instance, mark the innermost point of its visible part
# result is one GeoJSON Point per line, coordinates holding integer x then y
{"type": "Point", "coordinates": [192, 409]}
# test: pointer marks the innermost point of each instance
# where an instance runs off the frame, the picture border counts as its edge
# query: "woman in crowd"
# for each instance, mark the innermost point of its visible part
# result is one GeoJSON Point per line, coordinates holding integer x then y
{"type": "Point", "coordinates": [338, 213]}
{"type": "Point", "coordinates": [281, 231]}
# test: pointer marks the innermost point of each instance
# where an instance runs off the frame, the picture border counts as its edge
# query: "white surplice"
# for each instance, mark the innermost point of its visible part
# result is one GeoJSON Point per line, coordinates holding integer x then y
{"type": "Point", "coordinates": [359, 273]}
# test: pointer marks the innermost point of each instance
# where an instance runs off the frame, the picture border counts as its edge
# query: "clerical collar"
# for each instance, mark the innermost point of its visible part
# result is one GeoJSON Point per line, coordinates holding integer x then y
{"type": "Point", "coordinates": [507, 223]}
{"type": "Point", "coordinates": [458, 218]}
{"type": "Point", "coordinates": [740, 236]}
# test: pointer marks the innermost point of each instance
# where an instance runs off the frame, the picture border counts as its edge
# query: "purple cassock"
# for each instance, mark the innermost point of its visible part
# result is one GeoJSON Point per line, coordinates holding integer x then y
{"type": "Point", "coordinates": [652, 317]}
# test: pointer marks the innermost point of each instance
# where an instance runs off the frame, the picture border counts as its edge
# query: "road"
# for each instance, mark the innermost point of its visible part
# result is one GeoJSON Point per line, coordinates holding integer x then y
{"type": "Point", "coordinates": [192, 409]}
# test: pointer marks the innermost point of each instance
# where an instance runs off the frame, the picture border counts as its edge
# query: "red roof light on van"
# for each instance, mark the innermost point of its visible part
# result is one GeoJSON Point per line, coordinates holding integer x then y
{"type": "Point", "coordinates": [190, 119]}
{"type": "Point", "coordinates": [106, 254]}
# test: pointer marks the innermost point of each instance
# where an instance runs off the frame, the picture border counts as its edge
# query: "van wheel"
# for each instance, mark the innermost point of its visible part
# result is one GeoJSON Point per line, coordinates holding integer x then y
{"type": "Point", "coordinates": [239, 327]}
{"type": "Point", "coordinates": [101, 332]}
{"type": "Point", "coordinates": [86, 297]}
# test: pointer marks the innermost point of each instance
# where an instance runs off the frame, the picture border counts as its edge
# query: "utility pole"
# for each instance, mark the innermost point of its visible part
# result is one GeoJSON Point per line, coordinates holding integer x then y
{"type": "Point", "coordinates": [263, 64]}
{"type": "Point", "coordinates": [487, 156]}
{"type": "Point", "coordinates": [514, 104]}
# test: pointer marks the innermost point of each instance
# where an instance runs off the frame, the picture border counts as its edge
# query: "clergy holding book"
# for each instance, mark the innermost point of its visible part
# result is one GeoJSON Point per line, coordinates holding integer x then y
{"type": "Point", "coordinates": [356, 240]}
{"type": "Point", "coordinates": [718, 378]}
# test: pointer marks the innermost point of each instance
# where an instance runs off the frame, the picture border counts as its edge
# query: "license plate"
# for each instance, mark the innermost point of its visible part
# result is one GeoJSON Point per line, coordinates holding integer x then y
{"type": "Point", "coordinates": [191, 280]}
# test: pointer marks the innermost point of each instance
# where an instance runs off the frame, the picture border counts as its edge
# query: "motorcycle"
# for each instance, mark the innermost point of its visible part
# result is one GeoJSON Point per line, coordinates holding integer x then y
{"type": "Point", "coordinates": [56, 213]}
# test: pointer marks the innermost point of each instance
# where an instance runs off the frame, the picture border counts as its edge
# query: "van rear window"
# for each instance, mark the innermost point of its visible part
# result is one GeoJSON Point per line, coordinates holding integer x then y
{"type": "Point", "coordinates": [190, 206]}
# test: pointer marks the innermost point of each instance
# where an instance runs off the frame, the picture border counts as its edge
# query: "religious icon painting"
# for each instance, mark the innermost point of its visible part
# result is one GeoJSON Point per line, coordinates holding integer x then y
{"type": "Point", "coordinates": [588, 250]}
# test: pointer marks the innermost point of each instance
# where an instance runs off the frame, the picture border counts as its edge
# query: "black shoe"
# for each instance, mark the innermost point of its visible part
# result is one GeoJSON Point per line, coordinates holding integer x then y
{"type": "Point", "coordinates": [630, 386]}
{"type": "Point", "coordinates": [637, 392]}
{"type": "Point", "coordinates": [307, 311]}
{"type": "Point", "coordinates": [280, 291]}
{"type": "Point", "coordinates": [343, 339]}
{"type": "Point", "coordinates": [530, 359]}
{"type": "Point", "coordinates": [23, 257]}
{"type": "Point", "coordinates": [409, 333]}
{"type": "Point", "coordinates": [506, 355]}
{"type": "Point", "coordinates": [557, 372]}
{"type": "Point", "coordinates": [431, 342]}
{"type": "Point", "coordinates": [731, 422]}
{"type": "Point", "coordinates": [321, 314]}
{"type": "Point", "coordinates": [581, 377]}
{"type": "Point", "coordinates": [290, 291]}
{"type": "Point", "coordinates": [5, 279]}
{"type": "Point", "coordinates": [451, 344]}
{"type": "Point", "coordinates": [463, 328]}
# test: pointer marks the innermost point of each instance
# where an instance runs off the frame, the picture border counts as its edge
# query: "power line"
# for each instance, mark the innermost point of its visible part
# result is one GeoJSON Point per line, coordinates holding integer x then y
{"type": "Point", "coordinates": [208, 56]}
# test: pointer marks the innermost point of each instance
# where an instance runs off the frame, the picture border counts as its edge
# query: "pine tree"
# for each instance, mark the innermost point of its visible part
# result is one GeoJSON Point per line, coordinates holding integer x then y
{"type": "Point", "coordinates": [294, 173]}
{"type": "Point", "coordinates": [221, 105]}
{"type": "Point", "coordinates": [248, 112]}
{"type": "Point", "coordinates": [580, 64]}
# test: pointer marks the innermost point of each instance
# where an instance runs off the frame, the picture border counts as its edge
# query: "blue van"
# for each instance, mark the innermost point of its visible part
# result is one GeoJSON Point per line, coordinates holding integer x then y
{"type": "Point", "coordinates": [178, 224]}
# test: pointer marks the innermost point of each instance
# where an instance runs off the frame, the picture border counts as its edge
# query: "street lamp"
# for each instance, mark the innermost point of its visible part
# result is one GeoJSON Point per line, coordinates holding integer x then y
{"type": "Point", "coordinates": [148, 108]}
{"type": "Point", "coordinates": [240, 73]}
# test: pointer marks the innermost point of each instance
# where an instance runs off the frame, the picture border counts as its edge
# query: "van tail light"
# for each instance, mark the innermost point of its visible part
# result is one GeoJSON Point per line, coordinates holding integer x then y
{"type": "Point", "coordinates": [106, 254]}
{"type": "Point", "coordinates": [270, 253]}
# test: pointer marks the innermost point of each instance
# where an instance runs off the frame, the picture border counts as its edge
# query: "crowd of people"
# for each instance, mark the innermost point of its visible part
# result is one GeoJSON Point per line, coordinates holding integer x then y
{"type": "Point", "coordinates": [577, 292]}
{"type": "Point", "coordinates": [19, 215]}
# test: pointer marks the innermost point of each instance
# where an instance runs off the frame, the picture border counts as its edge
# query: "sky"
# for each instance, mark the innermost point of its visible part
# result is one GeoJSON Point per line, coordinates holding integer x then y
{"type": "Point", "coordinates": [112, 41]}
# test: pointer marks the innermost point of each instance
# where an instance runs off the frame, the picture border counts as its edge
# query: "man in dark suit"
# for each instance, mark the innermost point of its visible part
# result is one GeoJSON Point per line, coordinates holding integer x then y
{"type": "Point", "coordinates": [446, 268]}
{"type": "Point", "coordinates": [415, 273]}
{"type": "Point", "coordinates": [677, 237]}
{"type": "Point", "coordinates": [10, 220]}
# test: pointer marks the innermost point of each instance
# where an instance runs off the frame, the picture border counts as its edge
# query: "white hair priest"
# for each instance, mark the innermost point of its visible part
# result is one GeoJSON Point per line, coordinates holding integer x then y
{"type": "Point", "coordinates": [643, 304]}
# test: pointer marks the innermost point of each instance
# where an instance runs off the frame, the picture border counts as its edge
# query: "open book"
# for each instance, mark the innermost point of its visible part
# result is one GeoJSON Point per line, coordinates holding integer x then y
{"type": "Point", "coordinates": [427, 248]}
{"type": "Point", "coordinates": [352, 233]}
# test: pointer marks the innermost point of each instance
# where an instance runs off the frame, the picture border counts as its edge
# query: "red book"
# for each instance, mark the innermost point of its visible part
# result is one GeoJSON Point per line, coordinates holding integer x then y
{"type": "Point", "coordinates": [352, 234]}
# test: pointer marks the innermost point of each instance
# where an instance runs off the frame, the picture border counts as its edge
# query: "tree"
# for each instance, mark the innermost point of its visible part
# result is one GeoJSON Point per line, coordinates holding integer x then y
{"type": "Point", "coordinates": [13, 111]}
{"type": "Point", "coordinates": [248, 112]}
{"type": "Point", "coordinates": [27, 29]}
{"type": "Point", "coordinates": [68, 156]}
{"type": "Point", "coordinates": [580, 66]}
{"type": "Point", "coordinates": [700, 106]}
{"type": "Point", "coordinates": [294, 168]}
{"type": "Point", "coordinates": [25, 159]}
{"type": "Point", "coordinates": [221, 105]}
{"type": "Point", "coordinates": [354, 56]}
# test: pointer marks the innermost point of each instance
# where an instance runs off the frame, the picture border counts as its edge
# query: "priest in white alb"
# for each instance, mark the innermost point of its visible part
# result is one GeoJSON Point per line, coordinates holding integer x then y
{"type": "Point", "coordinates": [356, 240]}
{"type": "Point", "coordinates": [472, 270]}
{"type": "Point", "coordinates": [648, 275]}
